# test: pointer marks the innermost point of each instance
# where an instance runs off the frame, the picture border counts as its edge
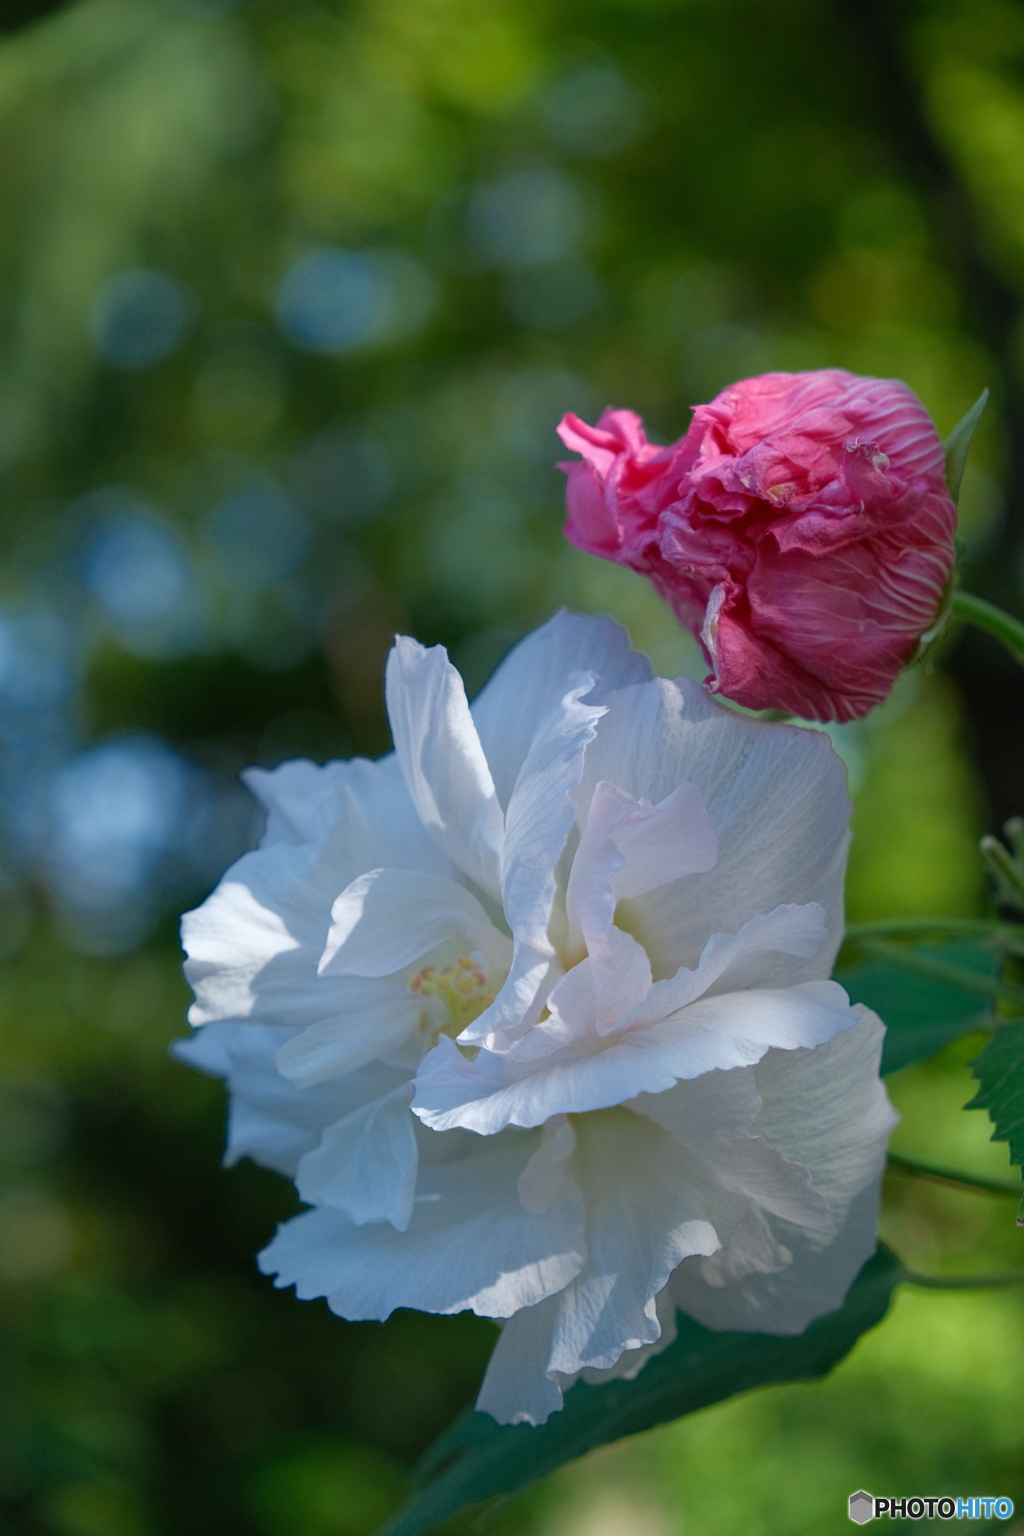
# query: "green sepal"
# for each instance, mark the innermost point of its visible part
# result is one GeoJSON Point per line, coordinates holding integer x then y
{"type": "Point", "coordinates": [957, 444]}
{"type": "Point", "coordinates": [477, 1459]}
{"type": "Point", "coordinates": [942, 615]}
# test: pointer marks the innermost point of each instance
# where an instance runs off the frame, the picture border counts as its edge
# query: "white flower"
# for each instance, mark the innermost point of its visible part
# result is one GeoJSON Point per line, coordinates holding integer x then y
{"type": "Point", "coordinates": [589, 925]}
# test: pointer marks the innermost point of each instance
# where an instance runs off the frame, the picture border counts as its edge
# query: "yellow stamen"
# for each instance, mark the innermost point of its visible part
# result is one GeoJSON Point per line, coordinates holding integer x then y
{"type": "Point", "coordinates": [463, 989]}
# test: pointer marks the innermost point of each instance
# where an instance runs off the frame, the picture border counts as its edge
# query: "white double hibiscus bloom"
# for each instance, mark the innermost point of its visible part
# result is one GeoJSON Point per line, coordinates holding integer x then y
{"type": "Point", "coordinates": [535, 1011]}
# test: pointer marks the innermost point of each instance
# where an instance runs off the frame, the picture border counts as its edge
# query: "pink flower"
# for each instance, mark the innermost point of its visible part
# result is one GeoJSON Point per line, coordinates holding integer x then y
{"type": "Point", "coordinates": [801, 529]}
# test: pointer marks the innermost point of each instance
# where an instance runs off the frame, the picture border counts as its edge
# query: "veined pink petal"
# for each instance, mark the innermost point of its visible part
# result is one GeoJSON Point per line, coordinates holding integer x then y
{"type": "Point", "coordinates": [801, 530]}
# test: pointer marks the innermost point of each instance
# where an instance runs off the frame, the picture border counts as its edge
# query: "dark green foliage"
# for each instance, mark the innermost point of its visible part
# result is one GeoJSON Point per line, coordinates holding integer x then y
{"type": "Point", "coordinates": [922, 1013]}
{"type": "Point", "coordinates": [1000, 1071]}
{"type": "Point", "coordinates": [15, 14]}
{"type": "Point", "coordinates": [478, 1459]}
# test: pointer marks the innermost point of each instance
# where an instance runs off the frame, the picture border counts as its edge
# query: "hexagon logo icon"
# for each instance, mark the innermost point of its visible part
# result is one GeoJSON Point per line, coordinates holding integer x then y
{"type": "Point", "coordinates": [862, 1507]}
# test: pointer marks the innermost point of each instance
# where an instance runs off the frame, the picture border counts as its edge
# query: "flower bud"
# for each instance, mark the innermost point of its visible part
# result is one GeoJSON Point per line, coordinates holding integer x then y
{"type": "Point", "coordinates": [801, 529]}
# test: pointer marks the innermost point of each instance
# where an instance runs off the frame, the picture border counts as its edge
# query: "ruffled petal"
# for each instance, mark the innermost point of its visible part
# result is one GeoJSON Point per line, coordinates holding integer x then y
{"type": "Point", "coordinates": [377, 1020]}
{"type": "Point", "coordinates": [534, 678]}
{"type": "Point", "coordinates": [540, 816]}
{"type": "Point", "coordinates": [711, 1118]}
{"type": "Point", "coordinates": [269, 1119]}
{"type": "Point", "coordinates": [442, 761]}
{"type": "Point", "coordinates": [731, 961]}
{"type": "Point", "coordinates": [629, 847]}
{"type": "Point", "coordinates": [365, 1164]}
{"type": "Point", "coordinates": [633, 1244]}
{"type": "Point", "coordinates": [776, 796]}
{"type": "Point", "coordinates": [305, 801]}
{"type": "Point", "coordinates": [828, 1110]}
{"type": "Point", "coordinates": [615, 1313]}
{"type": "Point", "coordinates": [736, 1030]}
{"type": "Point", "coordinates": [595, 994]}
{"type": "Point", "coordinates": [469, 1246]}
{"type": "Point", "coordinates": [542, 1181]}
{"type": "Point", "coordinates": [517, 1388]}
{"type": "Point", "coordinates": [388, 918]}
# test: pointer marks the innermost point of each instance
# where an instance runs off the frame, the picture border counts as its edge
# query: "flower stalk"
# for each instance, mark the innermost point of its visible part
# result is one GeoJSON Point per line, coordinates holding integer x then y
{"type": "Point", "coordinates": [994, 621]}
{"type": "Point", "coordinates": [976, 1183]}
{"type": "Point", "coordinates": [987, 930]}
{"type": "Point", "coordinates": [944, 970]}
{"type": "Point", "coordinates": [964, 1282]}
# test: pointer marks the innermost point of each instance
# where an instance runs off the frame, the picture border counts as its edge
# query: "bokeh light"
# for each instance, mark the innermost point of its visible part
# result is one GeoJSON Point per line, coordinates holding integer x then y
{"type": "Point", "coordinates": [529, 218]}
{"type": "Point", "coordinates": [335, 301]}
{"type": "Point", "coordinates": [138, 318]}
{"type": "Point", "coordinates": [258, 534]}
{"type": "Point", "coordinates": [594, 112]}
{"type": "Point", "coordinates": [136, 568]}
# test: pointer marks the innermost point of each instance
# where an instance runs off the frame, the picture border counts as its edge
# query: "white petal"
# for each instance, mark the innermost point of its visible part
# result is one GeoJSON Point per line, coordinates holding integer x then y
{"type": "Point", "coordinates": [520, 1001]}
{"type": "Point", "coordinates": [777, 799]}
{"type": "Point", "coordinates": [254, 944]}
{"type": "Point", "coordinates": [377, 1020]}
{"type": "Point", "coordinates": [366, 1163]}
{"type": "Point", "coordinates": [827, 1109]}
{"type": "Point", "coordinates": [632, 1361]}
{"type": "Point", "coordinates": [470, 1245]}
{"type": "Point", "coordinates": [628, 847]}
{"type": "Point", "coordinates": [753, 1249]}
{"type": "Point", "coordinates": [599, 991]}
{"type": "Point", "coordinates": [707, 1117]}
{"type": "Point", "coordinates": [387, 918]}
{"type": "Point", "coordinates": [736, 1030]}
{"type": "Point", "coordinates": [541, 1181]}
{"type": "Point", "coordinates": [782, 1286]}
{"type": "Point", "coordinates": [269, 1120]}
{"type": "Point", "coordinates": [745, 1163]}
{"type": "Point", "coordinates": [663, 842]}
{"type": "Point", "coordinates": [696, 1109]}
{"type": "Point", "coordinates": [535, 676]}
{"type": "Point", "coordinates": [305, 802]}
{"type": "Point", "coordinates": [442, 760]}
{"type": "Point", "coordinates": [634, 1239]}
{"type": "Point", "coordinates": [734, 961]}
{"type": "Point", "coordinates": [244, 930]}
{"type": "Point", "coordinates": [207, 1049]}
{"type": "Point", "coordinates": [516, 1388]}
{"type": "Point", "coordinates": [540, 816]}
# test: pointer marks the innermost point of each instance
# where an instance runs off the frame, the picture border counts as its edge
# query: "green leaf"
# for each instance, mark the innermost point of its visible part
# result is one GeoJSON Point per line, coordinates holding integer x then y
{"type": "Point", "coordinates": [959, 441]}
{"type": "Point", "coordinates": [478, 1459]}
{"type": "Point", "coordinates": [1000, 1071]}
{"type": "Point", "coordinates": [922, 1013]}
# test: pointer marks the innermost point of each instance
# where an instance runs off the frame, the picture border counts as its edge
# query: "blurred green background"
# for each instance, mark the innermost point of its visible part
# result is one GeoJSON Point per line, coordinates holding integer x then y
{"type": "Point", "coordinates": [292, 295]}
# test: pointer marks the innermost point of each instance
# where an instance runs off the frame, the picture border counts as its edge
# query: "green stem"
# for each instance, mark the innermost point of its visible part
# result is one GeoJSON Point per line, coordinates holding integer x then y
{"type": "Point", "coordinates": [974, 1182]}
{"type": "Point", "coordinates": [983, 615]}
{"type": "Point", "coordinates": [964, 1282]}
{"type": "Point", "coordinates": [1005, 935]}
{"type": "Point", "coordinates": [954, 975]}
{"type": "Point", "coordinates": [1004, 870]}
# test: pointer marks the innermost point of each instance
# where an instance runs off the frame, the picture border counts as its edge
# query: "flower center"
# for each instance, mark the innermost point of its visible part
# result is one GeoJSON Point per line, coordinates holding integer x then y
{"type": "Point", "coordinates": [462, 988]}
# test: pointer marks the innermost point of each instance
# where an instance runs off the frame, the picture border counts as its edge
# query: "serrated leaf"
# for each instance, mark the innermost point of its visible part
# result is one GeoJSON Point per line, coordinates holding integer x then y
{"type": "Point", "coordinates": [958, 443]}
{"type": "Point", "coordinates": [921, 1014]}
{"type": "Point", "coordinates": [1000, 1071]}
{"type": "Point", "coordinates": [478, 1459]}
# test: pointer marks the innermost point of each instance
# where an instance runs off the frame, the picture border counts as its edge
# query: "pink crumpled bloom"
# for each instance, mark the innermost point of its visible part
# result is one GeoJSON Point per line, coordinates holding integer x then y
{"type": "Point", "coordinates": [801, 529]}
